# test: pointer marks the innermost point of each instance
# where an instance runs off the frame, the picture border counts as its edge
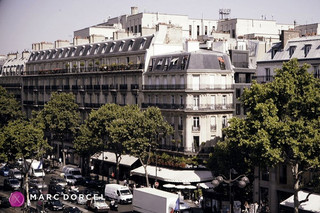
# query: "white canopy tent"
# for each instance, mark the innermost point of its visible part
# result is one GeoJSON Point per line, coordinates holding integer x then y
{"type": "Point", "coordinates": [175, 176]}
{"type": "Point", "coordinates": [312, 205]}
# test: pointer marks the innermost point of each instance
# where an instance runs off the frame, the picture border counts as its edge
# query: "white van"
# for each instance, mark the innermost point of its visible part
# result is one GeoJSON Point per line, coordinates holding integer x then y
{"type": "Point", "coordinates": [15, 173]}
{"type": "Point", "coordinates": [74, 171]}
{"type": "Point", "coordinates": [118, 192]}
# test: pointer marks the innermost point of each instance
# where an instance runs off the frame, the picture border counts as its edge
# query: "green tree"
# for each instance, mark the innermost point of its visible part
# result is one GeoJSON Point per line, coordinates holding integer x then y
{"type": "Point", "coordinates": [60, 117]}
{"type": "Point", "coordinates": [93, 135]}
{"type": "Point", "coordinates": [282, 123]}
{"type": "Point", "coordinates": [147, 129]}
{"type": "Point", "coordinates": [9, 107]}
{"type": "Point", "coordinates": [24, 140]}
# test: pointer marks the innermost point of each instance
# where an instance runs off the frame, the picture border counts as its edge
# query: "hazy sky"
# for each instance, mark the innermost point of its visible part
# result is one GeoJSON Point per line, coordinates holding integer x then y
{"type": "Point", "coordinates": [23, 22]}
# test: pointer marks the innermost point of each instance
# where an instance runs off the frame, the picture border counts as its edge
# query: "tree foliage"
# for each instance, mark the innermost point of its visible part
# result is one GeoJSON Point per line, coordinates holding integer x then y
{"type": "Point", "coordinates": [10, 108]}
{"type": "Point", "coordinates": [60, 116]}
{"type": "Point", "coordinates": [122, 130]}
{"type": "Point", "coordinates": [282, 123]}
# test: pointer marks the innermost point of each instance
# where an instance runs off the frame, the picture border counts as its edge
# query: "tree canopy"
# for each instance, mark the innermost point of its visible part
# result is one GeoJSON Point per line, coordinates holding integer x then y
{"type": "Point", "coordinates": [60, 116]}
{"type": "Point", "coordinates": [10, 108]}
{"type": "Point", "coordinates": [282, 123]}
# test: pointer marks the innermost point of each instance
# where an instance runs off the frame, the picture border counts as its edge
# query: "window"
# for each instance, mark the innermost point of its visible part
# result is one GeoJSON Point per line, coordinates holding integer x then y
{"type": "Point", "coordinates": [307, 48]}
{"type": "Point", "coordinates": [224, 122]}
{"type": "Point", "coordinates": [157, 99]}
{"type": "Point", "coordinates": [224, 102]}
{"type": "Point", "coordinates": [139, 29]}
{"type": "Point", "coordinates": [190, 30]}
{"type": "Point", "coordinates": [316, 71]}
{"type": "Point", "coordinates": [196, 102]}
{"type": "Point", "coordinates": [268, 76]}
{"type": "Point", "coordinates": [135, 29]}
{"type": "Point", "coordinates": [222, 63]}
{"type": "Point", "coordinates": [238, 93]}
{"type": "Point", "coordinates": [198, 30]}
{"type": "Point", "coordinates": [213, 101]}
{"type": "Point", "coordinates": [149, 99]}
{"type": "Point", "coordinates": [142, 43]}
{"type": "Point", "coordinates": [265, 175]}
{"type": "Point", "coordinates": [291, 50]}
{"type": "Point", "coordinates": [196, 124]}
{"type": "Point", "coordinates": [172, 99]}
{"type": "Point", "coordinates": [273, 52]}
{"type": "Point", "coordinates": [181, 99]}
{"type": "Point", "coordinates": [206, 30]}
{"type": "Point", "coordinates": [238, 109]}
{"type": "Point", "coordinates": [124, 99]}
{"type": "Point", "coordinates": [213, 126]}
{"type": "Point", "coordinates": [131, 44]}
{"type": "Point", "coordinates": [283, 174]}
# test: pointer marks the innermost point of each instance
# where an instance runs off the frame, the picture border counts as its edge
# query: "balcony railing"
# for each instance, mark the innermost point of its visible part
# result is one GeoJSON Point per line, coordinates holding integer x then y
{"type": "Point", "coordinates": [134, 86]}
{"type": "Point", "coordinates": [263, 79]}
{"type": "Point", "coordinates": [113, 86]}
{"type": "Point", "coordinates": [195, 128]}
{"type": "Point", "coordinates": [210, 87]}
{"type": "Point", "coordinates": [163, 106]}
{"type": "Point", "coordinates": [164, 87]}
{"type": "Point", "coordinates": [210, 107]}
{"type": "Point", "coordinates": [103, 68]}
{"type": "Point", "coordinates": [213, 128]}
{"type": "Point", "coordinates": [123, 87]}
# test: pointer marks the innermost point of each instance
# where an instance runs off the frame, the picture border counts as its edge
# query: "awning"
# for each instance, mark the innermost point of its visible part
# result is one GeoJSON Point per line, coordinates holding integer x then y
{"type": "Point", "coordinates": [126, 160]}
{"type": "Point", "coordinates": [312, 205]}
{"type": "Point", "coordinates": [206, 185]}
{"type": "Point", "coordinates": [175, 176]}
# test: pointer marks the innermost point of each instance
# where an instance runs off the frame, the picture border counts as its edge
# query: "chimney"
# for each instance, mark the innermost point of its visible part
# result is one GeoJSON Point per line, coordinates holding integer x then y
{"type": "Point", "coordinates": [286, 35]}
{"type": "Point", "coordinates": [134, 10]}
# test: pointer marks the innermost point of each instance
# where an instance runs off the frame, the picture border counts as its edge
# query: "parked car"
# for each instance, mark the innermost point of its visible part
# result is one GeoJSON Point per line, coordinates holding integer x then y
{"type": "Point", "coordinates": [54, 205]}
{"type": "Point", "coordinates": [70, 179]}
{"type": "Point", "coordinates": [34, 193]}
{"type": "Point", "coordinates": [98, 205]}
{"type": "Point", "coordinates": [39, 184]}
{"type": "Point", "coordinates": [4, 202]}
{"type": "Point", "coordinates": [4, 171]}
{"type": "Point", "coordinates": [58, 181]}
{"type": "Point", "coordinates": [71, 210]}
{"type": "Point", "coordinates": [15, 173]}
{"type": "Point", "coordinates": [11, 184]}
{"type": "Point", "coordinates": [56, 189]}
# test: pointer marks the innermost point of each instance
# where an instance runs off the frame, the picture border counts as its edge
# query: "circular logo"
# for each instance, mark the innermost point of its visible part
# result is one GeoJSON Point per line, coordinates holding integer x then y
{"type": "Point", "coordinates": [16, 199]}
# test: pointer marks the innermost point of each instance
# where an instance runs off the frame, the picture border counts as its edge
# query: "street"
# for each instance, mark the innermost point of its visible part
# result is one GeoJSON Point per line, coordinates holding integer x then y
{"type": "Point", "coordinates": [83, 208]}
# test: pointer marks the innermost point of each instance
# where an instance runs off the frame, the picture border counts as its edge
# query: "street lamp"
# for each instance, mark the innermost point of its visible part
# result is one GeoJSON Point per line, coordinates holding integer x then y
{"type": "Point", "coordinates": [242, 181]}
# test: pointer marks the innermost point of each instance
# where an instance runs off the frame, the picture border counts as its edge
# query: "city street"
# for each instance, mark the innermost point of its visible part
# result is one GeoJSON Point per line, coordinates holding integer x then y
{"type": "Point", "coordinates": [83, 208]}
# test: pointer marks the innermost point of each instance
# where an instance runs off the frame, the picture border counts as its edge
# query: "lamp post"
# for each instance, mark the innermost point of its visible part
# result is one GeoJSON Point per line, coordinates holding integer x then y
{"type": "Point", "coordinates": [241, 180]}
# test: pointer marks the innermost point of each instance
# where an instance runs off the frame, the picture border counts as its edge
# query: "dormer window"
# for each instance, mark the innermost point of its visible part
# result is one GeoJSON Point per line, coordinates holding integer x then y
{"type": "Point", "coordinates": [291, 50]}
{"type": "Point", "coordinates": [112, 46]}
{"type": "Point", "coordinates": [273, 52]}
{"type": "Point", "coordinates": [121, 45]}
{"type": "Point", "coordinates": [131, 44]}
{"type": "Point", "coordinates": [143, 41]}
{"type": "Point", "coordinates": [307, 48]}
{"type": "Point", "coordinates": [221, 63]}
{"type": "Point", "coordinates": [97, 49]}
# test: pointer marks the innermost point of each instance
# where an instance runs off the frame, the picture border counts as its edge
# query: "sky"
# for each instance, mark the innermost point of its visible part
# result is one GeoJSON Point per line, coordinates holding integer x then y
{"type": "Point", "coordinates": [23, 22]}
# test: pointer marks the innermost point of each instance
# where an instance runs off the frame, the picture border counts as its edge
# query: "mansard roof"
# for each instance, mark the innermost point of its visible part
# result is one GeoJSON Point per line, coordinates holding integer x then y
{"type": "Point", "coordinates": [200, 59]}
{"type": "Point", "coordinates": [114, 47]}
{"type": "Point", "coordinates": [303, 48]}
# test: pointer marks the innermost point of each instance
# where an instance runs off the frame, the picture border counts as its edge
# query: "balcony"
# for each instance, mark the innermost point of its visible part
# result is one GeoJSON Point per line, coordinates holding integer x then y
{"type": "Point", "coordinates": [123, 87]}
{"type": "Point", "coordinates": [210, 107]}
{"type": "Point", "coordinates": [163, 106]}
{"type": "Point", "coordinates": [195, 128]}
{"type": "Point", "coordinates": [113, 87]}
{"type": "Point", "coordinates": [113, 67]}
{"type": "Point", "coordinates": [164, 87]}
{"type": "Point", "coordinates": [263, 79]}
{"type": "Point", "coordinates": [97, 87]}
{"type": "Point", "coordinates": [89, 87]}
{"type": "Point", "coordinates": [213, 128]}
{"type": "Point", "coordinates": [105, 88]}
{"type": "Point", "coordinates": [211, 87]}
{"type": "Point", "coordinates": [134, 86]}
